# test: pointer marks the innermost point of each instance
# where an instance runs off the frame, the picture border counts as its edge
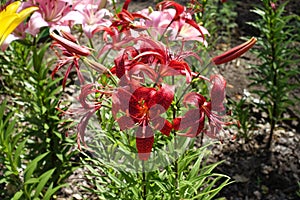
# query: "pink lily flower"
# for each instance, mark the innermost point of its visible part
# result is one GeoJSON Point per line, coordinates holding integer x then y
{"type": "Point", "coordinates": [176, 22]}
{"type": "Point", "coordinates": [51, 14]}
{"type": "Point", "coordinates": [158, 21]}
{"type": "Point", "coordinates": [90, 15]}
{"type": "Point", "coordinates": [182, 25]}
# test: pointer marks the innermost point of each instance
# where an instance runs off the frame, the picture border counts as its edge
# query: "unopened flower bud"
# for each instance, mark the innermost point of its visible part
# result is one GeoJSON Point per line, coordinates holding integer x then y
{"type": "Point", "coordinates": [96, 66]}
{"type": "Point", "coordinates": [234, 52]}
{"type": "Point", "coordinates": [68, 36]}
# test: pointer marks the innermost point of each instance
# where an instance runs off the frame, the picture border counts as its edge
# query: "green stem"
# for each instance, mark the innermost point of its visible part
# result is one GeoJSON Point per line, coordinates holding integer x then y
{"type": "Point", "coordinates": [144, 181]}
{"type": "Point", "coordinates": [190, 85]}
{"type": "Point", "coordinates": [274, 108]}
{"type": "Point", "coordinates": [176, 159]}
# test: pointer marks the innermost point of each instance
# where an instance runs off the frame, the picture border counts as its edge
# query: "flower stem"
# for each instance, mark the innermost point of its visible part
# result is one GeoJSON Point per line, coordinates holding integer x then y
{"type": "Point", "coordinates": [176, 159]}
{"type": "Point", "coordinates": [144, 181]}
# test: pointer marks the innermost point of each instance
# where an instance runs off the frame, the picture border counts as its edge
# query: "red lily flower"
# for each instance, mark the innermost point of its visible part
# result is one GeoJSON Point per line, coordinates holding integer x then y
{"type": "Point", "coordinates": [117, 39]}
{"type": "Point", "coordinates": [88, 106]}
{"type": "Point", "coordinates": [153, 59]}
{"type": "Point", "coordinates": [68, 42]}
{"type": "Point", "coordinates": [194, 119]}
{"type": "Point", "coordinates": [142, 107]}
{"type": "Point", "coordinates": [71, 54]}
{"type": "Point", "coordinates": [125, 19]}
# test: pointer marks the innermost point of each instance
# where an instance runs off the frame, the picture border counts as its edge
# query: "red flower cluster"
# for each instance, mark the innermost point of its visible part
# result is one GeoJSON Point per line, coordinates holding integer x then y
{"type": "Point", "coordinates": [143, 94]}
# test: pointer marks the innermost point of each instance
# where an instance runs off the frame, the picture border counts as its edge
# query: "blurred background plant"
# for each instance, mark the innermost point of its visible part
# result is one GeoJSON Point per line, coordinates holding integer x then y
{"type": "Point", "coordinates": [241, 111]}
{"type": "Point", "coordinates": [218, 18]}
{"type": "Point", "coordinates": [277, 74]}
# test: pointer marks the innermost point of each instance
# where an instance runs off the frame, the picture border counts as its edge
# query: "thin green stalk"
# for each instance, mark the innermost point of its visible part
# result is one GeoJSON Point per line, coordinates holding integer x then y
{"type": "Point", "coordinates": [274, 112]}
{"type": "Point", "coordinates": [144, 181]}
{"type": "Point", "coordinates": [190, 85]}
{"type": "Point", "coordinates": [176, 189]}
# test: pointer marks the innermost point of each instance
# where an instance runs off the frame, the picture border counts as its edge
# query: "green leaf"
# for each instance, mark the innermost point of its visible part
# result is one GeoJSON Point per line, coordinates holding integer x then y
{"type": "Point", "coordinates": [195, 169]}
{"type": "Point", "coordinates": [43, 180]}
{"type": "Point", "coordinates": [31, 180]}
{"type": "Point", "coordinates": [17, 195]}
{"type": "Point", "coordinates": [32, 166]}
{"type": "Point", "coordinates": [2, 108]}
{"type": "Point", "coordinates": [60, 157]}
{"type": "Point", "coordinates": [51, 191]}
{"type": "Point", "coordinates": [160, 185]}
{"type": "Point", "coordinates": [18, 151]}
{"type": "Point", "coordinates": [92, 170]}
{"type": "Point", "coordinates": [115, 180]}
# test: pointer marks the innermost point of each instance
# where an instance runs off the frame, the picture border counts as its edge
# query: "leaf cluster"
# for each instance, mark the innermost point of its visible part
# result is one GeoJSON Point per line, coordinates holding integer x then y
{"type": "Point", "coordinates": [36, 154]}
{"type": "Point", "coordinates": [276, 75]}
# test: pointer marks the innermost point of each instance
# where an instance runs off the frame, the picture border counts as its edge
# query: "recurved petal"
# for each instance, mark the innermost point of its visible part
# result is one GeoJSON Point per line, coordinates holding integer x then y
{"type": "Point", "coordinates": [125, 122]}
{"type": "Point", "coordinates": [190, 119]}
{"type": "Point", "coordinates": [194, 99]}
{"type": "Point", "coordinates": [217, 93]}
{"type": "Point", "coordinates": [191, 124]}
{"type": "Point", "coordinates": [166, 4]}
{"type": "Point", "coordinates": [164, 97]}
{"type": "Point", "coordinates": [160, 123]}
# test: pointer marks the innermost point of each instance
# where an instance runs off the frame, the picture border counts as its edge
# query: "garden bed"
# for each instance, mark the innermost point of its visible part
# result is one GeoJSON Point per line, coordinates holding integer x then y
{"type": "Point", "coordinates": [257, 172]}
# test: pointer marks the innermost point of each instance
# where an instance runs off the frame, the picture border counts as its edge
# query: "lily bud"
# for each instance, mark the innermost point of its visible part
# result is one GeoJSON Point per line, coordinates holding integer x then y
{"type": "Point", "coordinates": [96, 66]}
{"type": "Point", "coordinates": [68, 36]}
{"type": "Point", "coordinates": [234, 52]}
{"type": "Point", "coordinates": [70, 46]}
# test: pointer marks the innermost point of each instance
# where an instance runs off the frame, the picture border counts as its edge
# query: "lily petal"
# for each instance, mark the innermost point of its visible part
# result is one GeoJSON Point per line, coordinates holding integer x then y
{"type": "Point", "coordinates": [10, 19]}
